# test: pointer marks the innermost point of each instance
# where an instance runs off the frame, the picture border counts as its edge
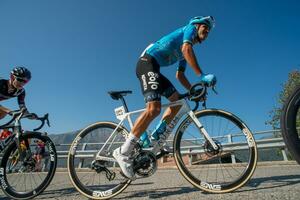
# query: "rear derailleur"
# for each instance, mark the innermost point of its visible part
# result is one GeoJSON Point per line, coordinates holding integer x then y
{"type": "Point", "coordinates": [99, 166]}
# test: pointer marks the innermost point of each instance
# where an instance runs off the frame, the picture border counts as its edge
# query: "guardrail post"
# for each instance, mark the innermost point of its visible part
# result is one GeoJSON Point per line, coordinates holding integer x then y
{"type": "Point", "coordinates": [164, 159]}
{"type": "Point", "coordinates": [45, 164]}
{"type": "Point", "coordinates": [82, 159]}
{"type": "Point", "coordinates": [190, 157]}
{"type": "Point", "coordinates": [285, 158]}
{"type": "Point", "coordinates": [233, 160]}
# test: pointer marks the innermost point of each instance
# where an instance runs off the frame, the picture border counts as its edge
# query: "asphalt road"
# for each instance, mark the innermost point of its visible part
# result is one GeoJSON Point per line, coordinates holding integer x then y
{"type": "Point", "coordinates": [270, 182]}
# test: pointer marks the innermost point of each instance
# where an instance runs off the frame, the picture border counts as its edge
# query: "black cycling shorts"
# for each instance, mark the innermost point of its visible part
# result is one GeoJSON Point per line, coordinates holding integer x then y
{"type": "Point", "coordinates": [153, 83]}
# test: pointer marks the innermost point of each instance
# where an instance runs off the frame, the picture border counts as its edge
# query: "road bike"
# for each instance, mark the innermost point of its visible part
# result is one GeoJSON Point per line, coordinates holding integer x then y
{"type": "Point", "coordinates": [204, 150]}
{"type": "Point", "coordinates": [21, 176]}
{"type": "Point", "coordinates": [290, 120]}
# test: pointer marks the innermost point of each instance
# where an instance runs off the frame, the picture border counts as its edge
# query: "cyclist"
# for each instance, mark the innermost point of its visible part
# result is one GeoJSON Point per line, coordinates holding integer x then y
{"type": "Point", "coordinates": [174, 47]}
{"type": "Point", "coordinates": [39, 153]}
{"type": "Point", "coordinates": [14, 87]}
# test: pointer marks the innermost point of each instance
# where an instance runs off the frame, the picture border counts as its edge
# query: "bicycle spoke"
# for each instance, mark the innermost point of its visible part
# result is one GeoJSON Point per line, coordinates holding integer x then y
{"type": "Point", "coordinates": [92, 175]}
{"type": "Point", "coordinates": [24, 178]}
{"type": "Point", "coordinates": [215, 166]}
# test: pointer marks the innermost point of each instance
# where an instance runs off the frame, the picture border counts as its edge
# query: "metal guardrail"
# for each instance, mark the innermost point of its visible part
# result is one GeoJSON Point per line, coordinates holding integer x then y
{"type": "Point", "coordinates": [262, 141]}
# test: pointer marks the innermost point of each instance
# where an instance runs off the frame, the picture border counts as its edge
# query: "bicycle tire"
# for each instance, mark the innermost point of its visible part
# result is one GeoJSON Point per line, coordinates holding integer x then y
{"type": "Point", "coordinates": [77, 182]}
{"type": "Point", "coordinates": [288, 124]}
{"type": "Point", "coordinates": [207, 160]}
{"type": "Point", "coordinates": [7, 186]}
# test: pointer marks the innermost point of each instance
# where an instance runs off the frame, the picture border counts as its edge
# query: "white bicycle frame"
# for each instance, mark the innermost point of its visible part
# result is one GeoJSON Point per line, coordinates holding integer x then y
{"type": "Point", "coordinates": [185, 109]}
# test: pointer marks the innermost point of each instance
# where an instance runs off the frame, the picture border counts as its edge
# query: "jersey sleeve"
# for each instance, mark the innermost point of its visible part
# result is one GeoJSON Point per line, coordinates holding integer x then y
{"type": "Point", "coordinates": [21, 99]}
{"type": "Point", "coordinates": [182, 66]}
{"type": "Point", "coordinates": [190, 32]}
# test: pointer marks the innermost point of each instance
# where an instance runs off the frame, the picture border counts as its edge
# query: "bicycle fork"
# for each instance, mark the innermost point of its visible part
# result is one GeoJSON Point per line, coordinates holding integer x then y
{"type": "Point", "coordinates": [202, 130]}
{"type": "Point", "coordinates": [17, 132]}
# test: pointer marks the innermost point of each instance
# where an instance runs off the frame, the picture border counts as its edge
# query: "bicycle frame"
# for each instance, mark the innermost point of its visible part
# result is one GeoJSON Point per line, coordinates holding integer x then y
{"type": "Point", "coordinates": [14, 136]}
{"type": "Point", "coordinates": [185, 109]}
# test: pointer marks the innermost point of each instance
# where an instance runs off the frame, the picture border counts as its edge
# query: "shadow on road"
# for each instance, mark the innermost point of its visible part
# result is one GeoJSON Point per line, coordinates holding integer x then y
{"type": "Point", "coordinates": [255, 184]}
{"type": "Point", "coordinates": [4, 198]}
{"type": "Point", "coordinates": [272, 182]}
{"type": "Point", "coordinates": [160, 193]}
{"type": "Point", "coordinates": [57, 193]}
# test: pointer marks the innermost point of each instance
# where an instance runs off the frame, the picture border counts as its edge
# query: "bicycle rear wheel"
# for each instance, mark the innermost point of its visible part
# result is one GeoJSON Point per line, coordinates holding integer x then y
{"type": "Point", "coordinates": [27, 179]}
{"type": "Point", "coordinates": [215, 171]}
{"type": "Point", "coordinates": [290, 120]}
{"type": "Point", "coordinates": [93, 177]}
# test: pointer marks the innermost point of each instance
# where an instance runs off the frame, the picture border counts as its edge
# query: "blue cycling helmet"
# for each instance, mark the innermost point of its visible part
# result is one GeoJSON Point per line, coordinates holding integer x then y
{"type": "Point", "coordinates": [207, 20]}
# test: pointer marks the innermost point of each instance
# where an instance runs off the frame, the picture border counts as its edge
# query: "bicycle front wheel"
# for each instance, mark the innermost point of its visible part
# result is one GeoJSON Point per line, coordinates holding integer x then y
{"type": "Point", "coordinates": [290, 119]}
{"type": "Point", "coordinates": [28, 177]}
{"type": "Point", "coordinates": [93, 175]}
{"type": "Point", "coordinates": [217, 171]}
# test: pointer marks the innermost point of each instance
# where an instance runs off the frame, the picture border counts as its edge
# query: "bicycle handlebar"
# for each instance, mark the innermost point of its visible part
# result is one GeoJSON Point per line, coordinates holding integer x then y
{"type": "Point", "coordinates": [22, 114]}
{"type": "Point", "coordinates": [14, 115]}
{"type": "Point", "coordinates": [43, 119]}
{"type": "Point", "coordinates": [197, 94]}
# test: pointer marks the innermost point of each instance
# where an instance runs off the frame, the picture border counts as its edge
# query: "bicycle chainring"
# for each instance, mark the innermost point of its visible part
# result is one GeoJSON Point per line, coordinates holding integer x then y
{"type": "Point", "coordinates": [145, 164]}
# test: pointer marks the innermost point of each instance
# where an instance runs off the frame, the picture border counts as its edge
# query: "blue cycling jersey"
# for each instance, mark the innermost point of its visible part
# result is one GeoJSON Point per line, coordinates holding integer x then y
{"type": "Point", "coordinates": [167, 50]}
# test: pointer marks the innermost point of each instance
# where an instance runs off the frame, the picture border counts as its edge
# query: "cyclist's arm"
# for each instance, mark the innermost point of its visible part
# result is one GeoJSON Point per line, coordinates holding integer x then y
{"type": "Point", "coordinates": [183, 80]}
{"type": "Point", "coordinates": [5, 110]}
{"type": "Point", "coordinates": [21, 100]}
{"type": "Point", "coordinates": [189, 55]}
{"type": "Point", "coordinates": [181, 76]}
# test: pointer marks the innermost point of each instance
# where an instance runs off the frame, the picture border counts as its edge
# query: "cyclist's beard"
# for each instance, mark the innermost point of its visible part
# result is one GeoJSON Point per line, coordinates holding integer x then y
{"type": "Point", "coordinates": [202, 38]}
{"type": "Point", "coordinates": [197, 40]}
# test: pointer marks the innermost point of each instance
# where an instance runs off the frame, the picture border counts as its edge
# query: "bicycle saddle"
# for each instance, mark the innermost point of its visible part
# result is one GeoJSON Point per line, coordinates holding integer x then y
{"type": "Point", "coordinates": [116, 95]}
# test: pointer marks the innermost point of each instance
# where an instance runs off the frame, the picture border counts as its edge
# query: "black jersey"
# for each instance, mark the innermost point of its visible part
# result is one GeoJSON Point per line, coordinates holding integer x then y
{"type": "Point", "coordinates": [5, 93]}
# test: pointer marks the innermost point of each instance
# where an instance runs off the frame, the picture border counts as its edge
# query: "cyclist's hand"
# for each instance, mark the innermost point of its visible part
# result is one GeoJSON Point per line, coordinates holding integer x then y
{"type": "Point", "coordinates": [209, 80]}
{"type": "Point", "coordinates": [29, 115]}
{"type": "Point", "coordinates": [13, 113]}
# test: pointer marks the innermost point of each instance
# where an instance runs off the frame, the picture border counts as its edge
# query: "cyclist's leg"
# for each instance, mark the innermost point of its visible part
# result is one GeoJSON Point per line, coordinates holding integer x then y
{"type": "Point", "coordinates": [148, 73]}
{"type": "Point", "coordinates": [152, 111]}
{"type": "Point", "coordinates": [151, 81]}
{"type": "Point", "coordinates": [172, 95]}
{"type": "Point", "coordinates": [141, 124]}
{"type": "Point", "coordinates": [171, 111]}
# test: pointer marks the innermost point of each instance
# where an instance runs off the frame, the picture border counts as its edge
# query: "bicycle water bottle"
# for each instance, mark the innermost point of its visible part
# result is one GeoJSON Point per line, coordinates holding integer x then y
{"type": "Point", "coordinates": [144, 140]}
{"type": "Point", "coordinates": [159, 129]}
{"type": "Point", "coordinates": [4, 134]}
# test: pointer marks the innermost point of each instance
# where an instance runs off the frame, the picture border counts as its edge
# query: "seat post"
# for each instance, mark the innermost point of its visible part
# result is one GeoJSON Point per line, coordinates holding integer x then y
{"type": "Point", "coordinates": [124, 104]}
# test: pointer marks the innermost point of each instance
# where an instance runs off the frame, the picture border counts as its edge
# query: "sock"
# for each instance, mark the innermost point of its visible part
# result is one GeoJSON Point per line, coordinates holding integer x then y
{"type": "Point", "coordinates": [129, 144]}
{"type": "Point", "coordinates": [159, 129]}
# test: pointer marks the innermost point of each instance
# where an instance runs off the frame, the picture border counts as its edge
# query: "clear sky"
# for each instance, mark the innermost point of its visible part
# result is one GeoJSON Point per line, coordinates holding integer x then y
{"type": "Point", "coordinates": [78, 50]}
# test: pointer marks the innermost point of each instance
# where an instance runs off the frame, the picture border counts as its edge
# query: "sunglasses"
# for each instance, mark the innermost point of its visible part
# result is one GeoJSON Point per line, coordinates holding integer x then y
{"type": "Point", "coordinates": [21, 80]}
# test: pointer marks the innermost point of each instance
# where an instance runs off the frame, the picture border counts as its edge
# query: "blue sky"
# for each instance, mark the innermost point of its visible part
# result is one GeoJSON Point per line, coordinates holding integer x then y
{"type": "Point", "coordinates": [79, 50]}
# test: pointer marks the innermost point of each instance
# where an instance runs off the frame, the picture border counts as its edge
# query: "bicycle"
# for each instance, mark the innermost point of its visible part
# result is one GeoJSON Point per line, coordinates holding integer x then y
{"type": "Point", "coordinates": [19, 178]}
{"type": "Point", "coordinates": [203, 155]}
{"type": "Point", "coordinates": [289, 122]}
